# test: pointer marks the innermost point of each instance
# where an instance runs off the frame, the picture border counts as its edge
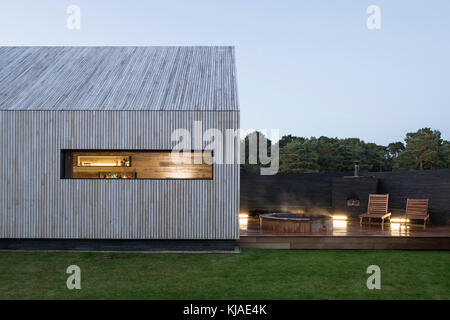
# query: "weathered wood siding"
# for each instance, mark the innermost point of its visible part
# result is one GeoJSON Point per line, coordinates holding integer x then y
{"type": "Point", "coordinates": [118, 78]}
{"type": "Point", "coordinates": [36, 203]}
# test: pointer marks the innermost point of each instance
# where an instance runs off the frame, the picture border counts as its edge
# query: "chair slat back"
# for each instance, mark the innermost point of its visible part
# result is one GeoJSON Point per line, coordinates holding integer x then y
{"type": "Point", "coordinates": [378, 203]}
{"type": "Point", "coordinates": [417, 207]}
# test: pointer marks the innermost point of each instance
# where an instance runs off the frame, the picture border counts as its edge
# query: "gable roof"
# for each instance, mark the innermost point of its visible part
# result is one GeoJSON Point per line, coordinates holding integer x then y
{"type": "Point", "coordinates": [118, 78]}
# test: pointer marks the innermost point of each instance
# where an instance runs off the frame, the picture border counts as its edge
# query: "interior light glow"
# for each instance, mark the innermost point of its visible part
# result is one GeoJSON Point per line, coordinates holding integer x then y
{"type": "Point", "coordinates": [103, 161]}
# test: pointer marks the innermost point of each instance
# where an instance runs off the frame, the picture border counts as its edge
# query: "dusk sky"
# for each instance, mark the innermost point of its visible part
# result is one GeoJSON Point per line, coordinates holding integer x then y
{"type": "Point", "coordinates": [309, 68]}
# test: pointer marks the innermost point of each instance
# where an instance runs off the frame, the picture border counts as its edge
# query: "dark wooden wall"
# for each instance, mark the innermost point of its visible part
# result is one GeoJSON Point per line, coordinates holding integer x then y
{"type": "Point", "coordinates": [292, 192]}
{"type": "Point", "coordinates": [433, 185]}
{"type": "Point", "coordinates": [359, 188]}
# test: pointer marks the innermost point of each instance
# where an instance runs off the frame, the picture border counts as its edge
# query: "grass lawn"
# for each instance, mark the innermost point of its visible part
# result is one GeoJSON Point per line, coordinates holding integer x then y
{"type": "Point", "coordinates": [253, 274]}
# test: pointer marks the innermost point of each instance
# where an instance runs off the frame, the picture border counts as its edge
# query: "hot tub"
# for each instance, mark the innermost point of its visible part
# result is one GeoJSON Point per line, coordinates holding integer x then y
{"type": "Point", "coordinates": [295, 223]}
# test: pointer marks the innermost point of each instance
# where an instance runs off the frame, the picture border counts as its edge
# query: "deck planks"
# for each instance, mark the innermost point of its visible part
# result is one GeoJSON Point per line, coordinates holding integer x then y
{"type": "Point", "coordinates": [352, 237]}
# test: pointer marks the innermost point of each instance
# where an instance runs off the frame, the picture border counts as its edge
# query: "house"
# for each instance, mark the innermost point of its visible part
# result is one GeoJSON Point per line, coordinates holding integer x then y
{"type": "Point", "coordinates": [86, 140]}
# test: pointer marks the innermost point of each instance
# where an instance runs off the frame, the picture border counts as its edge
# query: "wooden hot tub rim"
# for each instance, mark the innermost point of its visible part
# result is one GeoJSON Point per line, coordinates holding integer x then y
{"type": "Point", "coordinates": [295, 223]}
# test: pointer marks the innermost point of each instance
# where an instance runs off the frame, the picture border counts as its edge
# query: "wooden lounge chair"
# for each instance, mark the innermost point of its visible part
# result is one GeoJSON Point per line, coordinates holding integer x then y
{"type": "Point", "coordinates": [377, 208]}
{"type": "Point", "coordinates": [417, 209]}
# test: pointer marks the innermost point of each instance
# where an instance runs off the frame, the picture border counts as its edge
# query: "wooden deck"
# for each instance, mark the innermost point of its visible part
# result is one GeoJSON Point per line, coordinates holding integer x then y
{"type": "Point", "coordinates": [348, 235]}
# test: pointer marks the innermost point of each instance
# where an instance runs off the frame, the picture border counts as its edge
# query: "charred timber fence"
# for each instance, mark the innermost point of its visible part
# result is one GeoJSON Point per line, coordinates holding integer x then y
{"type": "Point", "coordinates": [330, 191]}
{"type": "Point", "coordinates": [286, 191]}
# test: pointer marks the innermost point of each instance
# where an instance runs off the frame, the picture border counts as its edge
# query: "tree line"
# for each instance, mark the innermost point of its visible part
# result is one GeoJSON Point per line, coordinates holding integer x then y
{"type": "Point", "coordinates": [421, 150]}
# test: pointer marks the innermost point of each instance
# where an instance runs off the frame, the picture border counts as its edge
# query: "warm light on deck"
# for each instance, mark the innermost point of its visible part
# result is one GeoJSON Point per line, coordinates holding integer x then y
{"type": "Point", "coordinates": [398, 226]}
{"type": "Point", "coordinates": [399, 229]}
{"type": "Point", "coordinates": [399, 220]}
{"type": "Point", "coordinates": [340, 221]}
{"type": "Point", "coordinates": [341, 218]}
{"type": "Point", "coordinates": [243, 220]}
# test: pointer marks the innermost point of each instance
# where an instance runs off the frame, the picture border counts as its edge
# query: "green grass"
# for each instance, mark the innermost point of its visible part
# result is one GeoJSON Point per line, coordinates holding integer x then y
{"type": "Point", "coordinates": [253, 274]}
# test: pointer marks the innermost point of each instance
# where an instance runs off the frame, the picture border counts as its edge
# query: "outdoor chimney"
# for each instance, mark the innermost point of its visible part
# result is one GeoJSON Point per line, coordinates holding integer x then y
{"type": "Point", "coordinates": [356, 168]}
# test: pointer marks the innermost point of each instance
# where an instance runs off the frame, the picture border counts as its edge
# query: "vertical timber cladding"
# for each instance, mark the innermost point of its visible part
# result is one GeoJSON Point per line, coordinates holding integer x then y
{"type": "Point", "coordinates": [36, 203]}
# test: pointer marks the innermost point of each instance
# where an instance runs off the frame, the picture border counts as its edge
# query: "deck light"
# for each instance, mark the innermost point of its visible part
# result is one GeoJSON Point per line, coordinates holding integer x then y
{"type": "Point", "coordinates": [243, 220]}
{"type": "Point", "coordinates": [399, 220]}
{"type": "Point", "coordinates": [339, 221]}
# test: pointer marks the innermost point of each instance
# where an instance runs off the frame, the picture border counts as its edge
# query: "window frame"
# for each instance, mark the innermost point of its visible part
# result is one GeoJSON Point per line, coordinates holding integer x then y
{"type": "Point", "coordinates": [63, 164]}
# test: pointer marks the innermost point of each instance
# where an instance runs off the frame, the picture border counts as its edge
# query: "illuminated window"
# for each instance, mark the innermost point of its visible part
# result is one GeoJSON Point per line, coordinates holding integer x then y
{"type": "Point", "coordinates": [135, 164]}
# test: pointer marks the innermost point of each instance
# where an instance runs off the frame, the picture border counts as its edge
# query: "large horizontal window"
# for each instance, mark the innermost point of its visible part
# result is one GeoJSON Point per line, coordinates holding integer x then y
{"type": "Point", "coordinates": [136, 164]}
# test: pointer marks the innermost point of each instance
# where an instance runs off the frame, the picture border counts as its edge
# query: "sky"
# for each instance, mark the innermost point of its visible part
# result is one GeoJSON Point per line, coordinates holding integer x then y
{"type": "Point", "coordinates": [308, 68]}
